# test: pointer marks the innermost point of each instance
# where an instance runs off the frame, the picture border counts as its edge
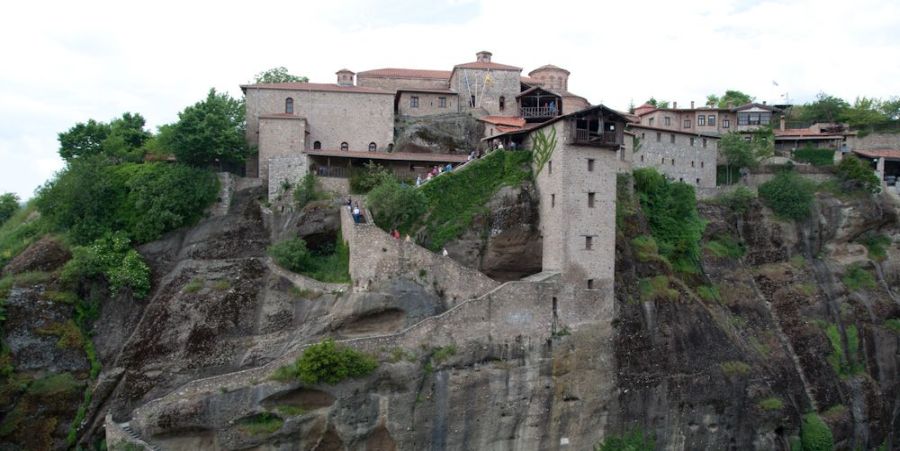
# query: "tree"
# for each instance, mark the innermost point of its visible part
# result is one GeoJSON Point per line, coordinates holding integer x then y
{"type": "Point", "coordinates": [857, 174]}
{"type": "Point", "coordinates": [739, 152]}
{"type": "Point", "coordinates": [279, 75]}
{"type": "Point", "coordinates": [120, 139]}
{"type": "Point", "coordinates": [210, 131]}
{"type": "Point", "coordinates": [712, 100]}
{"type": "Point", "coordinates": [83, 139]}
{"type": "Point", "coordinates": [733, 98]}
{"type": "Point", "coordinates": [789, 195]}
{"type": "Point", "coordinates": [9, 205]}
{"type": "Point", "coordinates": [396, 206]}
{"type": "Point", "coordinates": [826, 108]}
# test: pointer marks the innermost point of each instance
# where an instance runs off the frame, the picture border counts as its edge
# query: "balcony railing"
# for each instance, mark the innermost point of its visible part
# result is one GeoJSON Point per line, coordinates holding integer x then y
{"type": "Point", "coordinates": [602, 138]}
{"type": "Point", "coordinates": [538, 111]}
{"type": "Point", "coordinates": [332, 171]}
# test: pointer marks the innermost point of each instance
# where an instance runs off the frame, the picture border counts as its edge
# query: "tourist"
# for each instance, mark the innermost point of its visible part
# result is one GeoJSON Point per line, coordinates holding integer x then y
{"type": "Point", "coordinates": [356, 214]}
{"type": "Point", "coordinates": [448, 168]}
{"type": "Point", "coordinates": [407, 239]}
{"type": "Point", "coordinates": [500, 146]}
{"type": "Point", "coordinates": [350, 203]}
{"type": "Point", "coordinates": [395, 234]}
{"type": "Point", "coordinates": [418, 181]}
{"type": "Point", "coordinates": [444, 252]}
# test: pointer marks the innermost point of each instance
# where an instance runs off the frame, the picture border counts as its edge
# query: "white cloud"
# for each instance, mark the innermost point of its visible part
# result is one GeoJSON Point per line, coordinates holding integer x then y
{"type": "Point", "coordinates": [70, 61]}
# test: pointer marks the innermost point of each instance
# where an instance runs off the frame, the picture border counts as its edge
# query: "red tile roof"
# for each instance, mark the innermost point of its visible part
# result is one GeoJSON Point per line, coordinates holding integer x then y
{"type": "Point", "coordinates": [892, 154]}
{"type": "Point", "coordinates": [329, 87]}
{"type": "Point", "coordinates": [486, 65]}
{"type": "Point", "coordinates": [529, 80]}
{"type": "Point", "coordinates": [391, 72]}
{"type": "Point", "coordinates": [513, 121]}
{"type": "Point", "coordinates": [396, 156]}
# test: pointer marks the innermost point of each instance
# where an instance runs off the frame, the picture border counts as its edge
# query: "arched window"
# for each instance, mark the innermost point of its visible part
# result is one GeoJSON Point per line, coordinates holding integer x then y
{"type": "Point", "coordinates": [289, 105]}
{"type": "Point", "coordinates": [317, 145]}
{"type": "Point", "coordinates": [345, 146]}
{"type": "Point", "coordinates": [502, 103]}
{"type": "Point", "coordinates": [391, 147]}
{"type": "Point", "coordinates": [372, 147]}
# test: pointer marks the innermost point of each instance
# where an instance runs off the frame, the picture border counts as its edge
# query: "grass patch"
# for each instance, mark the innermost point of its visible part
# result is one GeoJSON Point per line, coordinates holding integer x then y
{"type": "Point", "coordinates": [455, 199]}
{"type": "Point", "coordinates": [893, 325]}
{"type": "Point", "coordinates": [196, 284]}
{"type": "Point", "coordinates": [771, 403]}
{"type": "Point", "coordinates": [304, 293]}
{"type": "Point", "coordinates": [734, 368]}
{"type": "Point", "coordinates": [635, 440]}
{"type": "Point", "coordinates": [857, 278]}
{"type": "Point", "coordinates": [835, 412]}
{"type": "Point", "coordinates": [726, 246]}
{"type": "Point", "coordinates": [330, 265]}
{"type": "Point", "coordinates": [844, 363]}
{"type": "Point", "coordinates": [17, 233]}
{"type": "Point", "coordinates": [806, 289]}
{"type": "Point", "coordinates": [709, 293]}
{"type": "Point", "coordinates": [815, 434]}
{"type": "Point", "coordinates": [656, 288]}
{"type": "Point", "coordinates": [291, 411]}
{"type": "Point", "coordinates": [797, 261]}
{"type": "Point", "coordinates": [221, 285]}
{"type": "Point", "coordinates": [443, 353]}
{"type": "Point", "coordinates": [646, 250]}
{"type": "Point", "coordinates": [53, 385]}
{"type": "Point", "coordinates": [68, 332]}
{"type": "Point", "coordinates": [398, 354]}
{"type": "Point", "coordinates": [815, 156]}
{"type": "Point", "coordinates": [877, 245]}
{"type": "Point", "coordinates": [62, 297]}
{"type": "Point", "coordinates": [264, 423]}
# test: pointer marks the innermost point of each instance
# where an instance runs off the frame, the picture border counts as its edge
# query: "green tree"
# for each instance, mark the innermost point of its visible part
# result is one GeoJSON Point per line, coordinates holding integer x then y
{"type": "Point", "coordinates": [712, 100]}
{"type": "Point", "coordinates": [734, 98]}
{"type": "Point", "coordinates": [856, 174]}
{"type": "Point", "coordinates": [210, 131]}
{"type": "Point", "coordinates": [9, 205]}
{"type": "Point", "coordinates": [279, 75]}
{"type": "Point", "coordinates": [657, 103]}
{"type": "Point", "coordinates": [396, 206]}
{"type": "Point", "coordinates": [292, 254]}
{"type": "Point", "coordinates": [891, 108]}
{"type": "Point", "coordinates": [329, 363]}
{"type": "Point", "coordinates": [120, 139]}
{"type": "Point", "coordinates": [825, 108]}
{"type": "Point", "coordinates": [83, 139]}
{"type": "Point", "coordinates": [742, 153]}
{"type": "Point", "coordinates": [789, 195]}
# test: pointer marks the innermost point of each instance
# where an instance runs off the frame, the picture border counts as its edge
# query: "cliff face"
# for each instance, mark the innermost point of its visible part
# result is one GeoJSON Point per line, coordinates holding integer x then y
{"type": "Point", "coordinates": [795, 326]}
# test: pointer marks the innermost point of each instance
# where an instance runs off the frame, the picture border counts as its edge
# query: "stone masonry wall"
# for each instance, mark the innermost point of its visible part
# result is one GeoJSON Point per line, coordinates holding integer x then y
{"type": "Point", "coordinates": [279, 137]}
{"type": "Point", "coordinates": [376, 256]}
{"type": "Point", "coordinates": [685, 160]}
{"type": "Point", "coordinates": [290, 169]}
{"type": "Point", "coordinates": [393, 84]}
{"type": "Point", "coordinates": [874, 141]}
{"type": "Point", "coordinates": [505, 83]}
{"type": "Point", "coordinates": [429, 104]}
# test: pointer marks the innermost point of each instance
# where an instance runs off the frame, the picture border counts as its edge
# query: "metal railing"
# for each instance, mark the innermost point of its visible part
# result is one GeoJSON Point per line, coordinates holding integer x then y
{"type": "Point", "coordinates": [332, 171]}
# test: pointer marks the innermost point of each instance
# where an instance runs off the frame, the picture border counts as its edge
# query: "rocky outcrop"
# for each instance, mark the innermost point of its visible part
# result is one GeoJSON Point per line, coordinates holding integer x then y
{"type": "Point", "coordinates": [438, 133]}
{"type": "Point", "coordinates": [46, 254]}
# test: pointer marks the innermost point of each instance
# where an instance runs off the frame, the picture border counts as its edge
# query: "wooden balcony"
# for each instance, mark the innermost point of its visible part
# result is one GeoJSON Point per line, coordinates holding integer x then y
{"type": "Point", "coordinates": [587, 137]}
{"type": "Point", "coordinates": [531, 112]}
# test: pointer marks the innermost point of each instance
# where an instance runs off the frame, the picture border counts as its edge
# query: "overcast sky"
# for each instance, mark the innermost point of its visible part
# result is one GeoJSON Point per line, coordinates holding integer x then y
{"type": "Point", "coordinates": [68, 61]}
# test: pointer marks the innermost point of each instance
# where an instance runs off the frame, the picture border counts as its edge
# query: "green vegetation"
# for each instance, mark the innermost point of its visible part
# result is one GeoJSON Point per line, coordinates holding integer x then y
{"type": "Point", "coordinates": [735, 368]}
{"type": "Point", "coordinates": [709, 293]}
{"type": "Point", "coordinates": [455, 199]}
{"type": "Point", "coordinates": [732, 98]}
{"type": "Point", "coordinates": [112, 258]}
{"type": "Point", "coordinates": [635, 440]}
{"type": "Point", "coordinates": [835, 412]}
{"type": "Point", "coordinates": [815, 434]}
{"type": "Point", "coordinates": [196, 284]}
{"type": "Point", "coordinates": [856, 174]}
{"type": "Point", "coordinates": [856, 278]}
{"type": "Point", "coordinates": [330, 264]}
{"type": "Point", "coordinates": [278, 74]}
{"type": "Point", "coordinates": [671, 210]}
{"type": "Point", "coordinates": [740, 153]}
{"type": "Point", "coordinates": [816, 156]}
{"type": "Point", "coordinates": [289, 410]}
{"type": "Point", "coordinates": [120, 140]}
{"type": "Point", "coordinates": [68, 332]}
{"type": "Point", "coordinates": [726, 246]}
{"type": "Point", "coordinates": [18, 232]}
{"type": "Point", "coordinates": [877, 245]}
{"type": "Point", "coordinates": [738, 201]}
{"type": "Point", "coordinates": [865, 114]}
{"type": "Point", "coordinates": [9, 205]}
{"type": "Point", "coordinates": [893, 324]}
{"type": "Point", "coordinates": [844, 364]}
{"type": "Point", "coordinates": [398, 354]}
{"type": "Point", "coordinates": [210, 132]}
{"type": "Point", "coordinates": [771, 403]}
{"type": "Point", "coordinates": [626, 203]}
{"type": "Point", "coordinates": [396, 206]}
{"type": "Point", "coordinates": [439, 355]}
{"type": "Point", "coordinates": [327, 362]}
{"type": "Point", "coordinates": [263, 423]}
{"type": "Point", "coordinates": [727, 175]}
{"type": "Point", "coordinates": [789, 195]}
{"type": "Point", "coordinates": [656, 288]}
{"type": "Point", "coordinates": [371, 175]}
{"type": "Point", "coordinates": [646, 250]}
{"type": "Point", "coordinates": [307, 191]}
{"type": "Point", "coordinates": [542, 149]}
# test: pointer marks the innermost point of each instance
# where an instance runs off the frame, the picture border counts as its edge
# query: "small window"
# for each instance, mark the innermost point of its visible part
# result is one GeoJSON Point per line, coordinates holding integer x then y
{"type": "Point", "coordinates": [698, 181]}
{"type": "Point", "coordinates": [681, 179]}
{"type": "Point", "coordinates": [552, 200]}
{"type": "Point", "coordinates": [726, 123]}
{"type": "Point", "coordinates": [345, 146]}
{"type": "Point", "coordinates": [642, 158]}
{"type": "Point", "coordinates": [658, 136]}
{"type": "Point", "coordinates": [317, 145]}
{"type": "Point", "coordinates": [672, 138]}
{"type": "Point", "coordinates": [590, 165]}
{"type": "Point", "coordinates": [414, 101]}
{"type": "Point", "coordinates": [472, 102]}
{"type": "Point", "coordinates": [590, 284]}
{"type": "Point", "coordinates": [662, 160]}
{"type": "Point", "coordinates": [502, 103]}
{"type": "Point", "coordinates": [701, 164]}
{"type": "Point", "coordinates": [591, 197]}
{"type": "Point", "coordinates": [701, 120]}
{"type": "Point", "coordinates": [651, 122]}
{"type": "Point", "coordinates": [550, 167]}
{"type": "Point", "coordinates": [588, 243]}
{"type": "Point", "coordinates": [668, 120]}
{"type": "Point", "coordinates": [673, 162]}
{"type": "Point", "coordinates": [711, 121]}
{"type": "Point", "coordinates": [692, 163]}
{"type": "Point", "coordinates": [643, 135]}
{"type": "Point", "coordinates": [289, 105]}
{"type": "Point", "coordinates": [442, 102]}
{"type": "Point", "coordinates": [687, 123]}
{"type": "Point", "coordinates": [391, 147]}
{"type": "Point", "coordinates": [704, 143]}
{"type": "Point", "coordinates": [692, 142]}
{"type": "Point", "coordinates": [373, 147]}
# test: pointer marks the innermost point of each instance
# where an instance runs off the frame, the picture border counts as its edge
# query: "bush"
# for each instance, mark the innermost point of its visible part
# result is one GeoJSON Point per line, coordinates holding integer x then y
{"type": "Point", "coordinates": [738, 201]}
{"type": "Point", "coordinates": [292, 254]}
{"type": "Point", "coordinates": [857, 278]}
{"type": "Point", "coordinates": [396, 206]}
{"type": "Point", "coordinates": [112, 258]}
{"type": "Point", "coordinates": [634, 440]}
{"type": "Point", "coordinates": [656, 288]}
{"type": "Point", "coordinates": [306, 191]}
{"type": "Point", "coordinates": [735, 368]}
{"type": "Point", "coordinates": [789, 195]}
{"type": "Point", "coordinates": [818, 157]}
{"type": "Point", "coordinates": [332, 266]}
{"type": "Point", "coordinates": [364, 180]}
{"type": "Point", "coordinates": [857, 174]}
{"type": "Point", "coordinates": [9, 204]}
{"type": "Point", "coordinates": [877, 245]}
{"type": "Point", "coordinates": [771, 404]}
{"type": "Point", "coordinates": [725, 246]}
{"type": "Point", "coordinates": [815, 434]}
{"type": "Point", "coordinates": [844, 363]}
{"type": "Point", "coordinates": [329, 363]}
{"type": "Point", "coordinates": [709, 293]}
{"type": "Point", "coordinates": [671, 210]}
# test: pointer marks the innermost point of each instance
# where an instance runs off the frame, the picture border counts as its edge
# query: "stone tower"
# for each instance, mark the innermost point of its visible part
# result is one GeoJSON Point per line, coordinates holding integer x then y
{"type": "Point", "coordinates": [345, 77]}
{"type": "Point", "coordinates": [552, 77]}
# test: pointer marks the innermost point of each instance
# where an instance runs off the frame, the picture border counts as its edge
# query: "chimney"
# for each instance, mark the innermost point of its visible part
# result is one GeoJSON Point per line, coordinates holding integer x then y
{"type": "Point", "coordinates": [674, 105]}
{"type": "Point", "coordinates": [764, 102]}
{"type": "Point", "coordinates": [483, 56]}
{"type": "Point", "coordinates": [345, 77]}
{"type": "Point", "coordinates": [781, 123]}
{"type": "Point", "coordinates": [692, 104]}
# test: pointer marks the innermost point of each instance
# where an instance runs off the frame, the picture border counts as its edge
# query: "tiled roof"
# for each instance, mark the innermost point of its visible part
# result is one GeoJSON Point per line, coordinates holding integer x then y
{"type": "Point", "coordinates": [549, 66]}
{"type": "Point", "coordinates": [529, 80]}
{"type": "Point", "coordinates": [329, 87]}
{"type": "Point", "coordinates": [513, 121]}
{"type": "Point", "coordinates": [436, 91]}
{"type": "Point", "coordinates": [805, 132]}
{"type": "Point", "coordinates": [486, 65]}
{"type": "Point", "coordinates": [893, 154]}
{"type": "Point", "coordinates": [391, 72]}
{"type": "Point", "coordinates": [395, 156]}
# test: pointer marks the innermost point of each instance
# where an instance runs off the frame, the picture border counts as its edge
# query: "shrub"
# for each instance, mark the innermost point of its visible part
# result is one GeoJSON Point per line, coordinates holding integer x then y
{"type": "Point", "coordinates": [709, 293]}
{"type": "Point", "coordinates": [634, 440]}
{"type": "Point", "coordinates": [656, 288]}
{"type": "Point", "coordinates": [857, 174]}
{"type": "Point", "coordinates": [329, 363]}
{"type": "Point", "coordinates": [735, 368]}
{"type": "Point", "coordinates": [112, 258]}
{"type": "Point", "coordinates": [645, 248]}
{"type": "Point", "coordinates": [443, 353]}
{"type": "Point", "coordinates": [815, 434]}
{"type": "Point", "coordinates": [292, 254]}
{"type": "Point", "coordinates": [9, 204]}
{"type": "Point", "coordinates": [789, 195]}
{"type": "Point", "coordinates": [332, 266]}
{"type": "Point", "coordinates": [396, 206]}
{"type": "Point", "coordinates": [844, 363]}
{"type": "Point", "coordinates": [857, 278]}
{"type": "Point", "coordinates": [770, 404]}
{"type": "Point", "coordinates": [671, 210]}
{"type": "Point", "coordinates": [738, 201]}
{"type": "Point", "coordinates": [371, 175]}
{"type": "Point", "coordinates": [818, 157]}
{"type": "Point", "coordinates": [306, 191]}
{"type": "Point", "coordinates": [877, 245]}
{"type": "Point", "coordinates": [725, 246]}
{"type": "Point", "coordinates": [263, 423]}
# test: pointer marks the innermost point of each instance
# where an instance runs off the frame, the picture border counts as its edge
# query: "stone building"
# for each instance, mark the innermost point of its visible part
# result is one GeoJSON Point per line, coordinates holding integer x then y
{"type": "Point", "coordinates": [681, 156]}
{"type": "Point", "coordinates": [710, 120]}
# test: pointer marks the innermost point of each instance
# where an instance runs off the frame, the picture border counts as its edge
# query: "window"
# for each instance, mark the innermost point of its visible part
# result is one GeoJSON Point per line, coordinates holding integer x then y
{"type": "Point", "coordinates": [373, 147]}
{"type": "Point", "coordinates": [673, 162]}
{"type": "Point", "coordinates": [672, 138]}
{"type": "Point", "coordinates": [502, 103]}
{"type": "Point", "coordinates": [667, 120]}
{"type": "Point", "coordinates": [642, 158]}
{"type": "Point", "coordinates": [552, 200]}
{"type": "Point", "coordinates": [588, 242]}
{"type": "Point", "coordinates": [391, 147]}
{"type": "Point", "coordinates": [701, 120]}
{"type": "Point", "coordinates": [692, 163]}
{"type": "Point", "coordinates": [414, 101]}
{"type": "Point", "coordinates": [590, 165]}
{"type": "Point", "coordinates": [591, 197]}
{"type": "Point", "coordinates": [658, 136]}
{"type": "Point", "coordinates": [701, 164]}
{"type": "Point", "coordinates": [550, 167]}
{"type": "Point", "coordinates": [317, 145]}
{"type": "Point", "coordinates": [692, 141]}
{"type": "Point", "coordinates": [687, 123]}
{"type": "Point", "coordinates": [704, 143]}
{"type": "Point", "coordinates": [726, 123]}
{"type": "Point", "coordinates": [289, 105]}
{"type": "Point", "coordinates": [472, 102]}
{"type": "Point", "coordinates": [643, 135]}
{"type": "Point", "coordinates": [590, 283]}
{"type": "Point", "coordinates": [345, 146]}
{"type": "Point", "coordinates": [711, 121]}
{"type": "Point", "coordinates": [698, 181]}
{"type": "Point", "coordinates": [651, 122]}
{"type": "Point", "coordinates": [442, 102]}
{"type": "Point", "coordinates": [662, 160]}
